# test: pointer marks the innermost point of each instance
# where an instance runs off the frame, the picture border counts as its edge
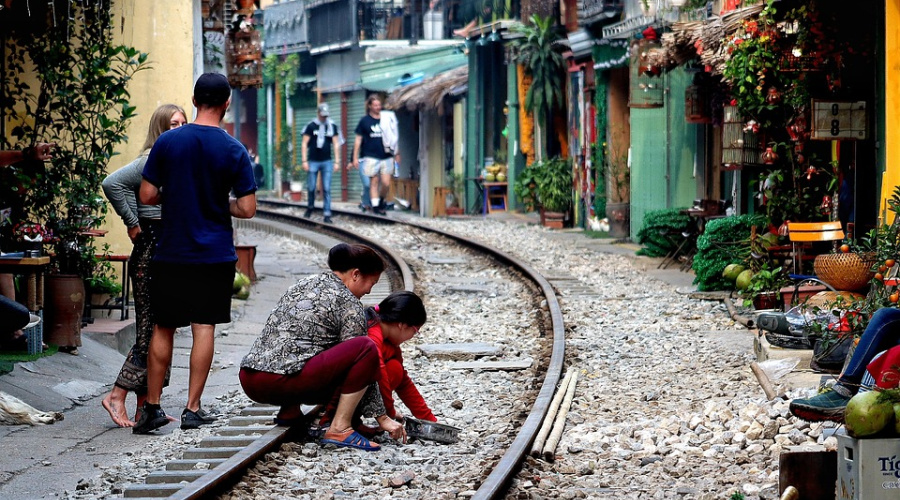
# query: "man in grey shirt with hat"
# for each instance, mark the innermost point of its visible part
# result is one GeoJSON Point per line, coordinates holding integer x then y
{"type": "Point", "coordinates": [319, 137]}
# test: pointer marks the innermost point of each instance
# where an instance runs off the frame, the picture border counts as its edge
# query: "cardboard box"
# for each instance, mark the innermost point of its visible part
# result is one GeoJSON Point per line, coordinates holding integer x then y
{"type": "Point", "coordinates": [868, 469]}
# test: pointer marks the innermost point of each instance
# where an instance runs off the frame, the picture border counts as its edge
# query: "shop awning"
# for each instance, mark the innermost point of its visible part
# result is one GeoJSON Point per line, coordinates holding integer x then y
{"type": "Point", "coordinates": [390, 74]}
{"type": "Point", "coordinates": [430, 93]}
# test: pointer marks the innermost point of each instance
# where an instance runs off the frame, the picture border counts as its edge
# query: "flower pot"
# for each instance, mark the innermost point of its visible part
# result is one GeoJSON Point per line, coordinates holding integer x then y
{"type": "Point", "coordinates": [64, 298]}
{"type": "Point", "coordinates": [766, 300]}
{"type": "Point", "coordinates": [619, 216]}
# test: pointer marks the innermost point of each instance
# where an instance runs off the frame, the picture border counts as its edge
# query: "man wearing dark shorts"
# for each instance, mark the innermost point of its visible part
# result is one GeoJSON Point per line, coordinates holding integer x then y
{"type": "Point", "coordinates": [202, 177]}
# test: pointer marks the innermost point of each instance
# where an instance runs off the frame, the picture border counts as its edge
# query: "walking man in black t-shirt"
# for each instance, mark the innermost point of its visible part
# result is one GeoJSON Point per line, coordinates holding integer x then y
{"type": "Point", "coordinates": [373, 155]}
{"type": "Point", "coordinates": [316, 157]}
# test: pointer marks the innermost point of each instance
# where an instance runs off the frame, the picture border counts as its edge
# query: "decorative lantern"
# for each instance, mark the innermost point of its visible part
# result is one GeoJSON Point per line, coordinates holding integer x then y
{"type": "Point", "coordinates": [769, 156]}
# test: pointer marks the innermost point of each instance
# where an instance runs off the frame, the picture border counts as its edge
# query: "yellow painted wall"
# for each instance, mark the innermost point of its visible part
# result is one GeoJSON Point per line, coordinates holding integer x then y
{"type": "Point", "coordinates": [165, 30]}
{"type": "Point", "coordinates": [892, 100]}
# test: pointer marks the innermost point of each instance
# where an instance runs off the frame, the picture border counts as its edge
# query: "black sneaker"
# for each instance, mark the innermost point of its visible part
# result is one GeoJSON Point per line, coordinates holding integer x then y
{"type": "Point", "coordinates": [194, 419]}
{"type": "Point", "coordinates": [307, 214]}
{"type": "Point", "coordinates": [152, 417]}
{"type": "Point", "coordinates": [327, 220]}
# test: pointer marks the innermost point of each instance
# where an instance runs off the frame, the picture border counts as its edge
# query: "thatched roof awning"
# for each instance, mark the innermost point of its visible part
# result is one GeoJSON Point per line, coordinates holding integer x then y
{"type": "Point", "coordinates": [707, 37]}
{"type": "Point", "coordinates": [430, 93]}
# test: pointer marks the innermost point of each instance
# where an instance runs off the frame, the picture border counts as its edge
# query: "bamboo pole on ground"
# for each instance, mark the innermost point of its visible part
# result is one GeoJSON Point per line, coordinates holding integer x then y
{"type": "Point", "coordinates": [763, 379]}
{"type": "Point", "coordinates": [551, 416]}
{"type": "Point", "coordinates": [560, 424]}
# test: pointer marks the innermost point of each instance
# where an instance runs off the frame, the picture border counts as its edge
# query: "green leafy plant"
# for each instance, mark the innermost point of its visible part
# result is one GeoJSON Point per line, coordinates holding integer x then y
{"type": "Point", "coordinates": [662, 231]}
{"type": "Point", "coordinates": [765, 280]}
{"type": "Point", "coordinates": [81, 103]}
{"type": "Point", "coordinates": [457, 184]}
{"type": "Point", "coordinates": [538, 51]}
{"type": "Point", "coordinates": [281, 72]}
{"type": "Point", "coordinates": [724, 241]}
{"type": "Point", "coordinates": [525, 187]}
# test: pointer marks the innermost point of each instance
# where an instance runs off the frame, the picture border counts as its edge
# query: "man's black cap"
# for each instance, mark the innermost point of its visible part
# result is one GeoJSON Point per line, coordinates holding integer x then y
{"type": "Point", "coordinates": [212, 89]}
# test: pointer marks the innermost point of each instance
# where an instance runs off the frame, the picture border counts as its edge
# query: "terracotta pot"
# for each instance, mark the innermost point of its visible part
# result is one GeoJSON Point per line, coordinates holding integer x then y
{"type": "Point", "coordinates": [64, 299]}
{"type": "Point", "coordinates": [765, 300]}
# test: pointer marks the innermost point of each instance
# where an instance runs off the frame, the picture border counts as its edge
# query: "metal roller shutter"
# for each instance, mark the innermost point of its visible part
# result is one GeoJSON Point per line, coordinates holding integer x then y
{"type": "Point", "coordinates": [356, 108]}
{"type": "Point", "coordinates": [302, 116]}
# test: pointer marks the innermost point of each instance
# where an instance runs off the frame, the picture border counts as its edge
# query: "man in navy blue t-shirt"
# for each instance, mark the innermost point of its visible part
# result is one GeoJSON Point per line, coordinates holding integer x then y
{"type": "Point", "coordinates": [202, 177]}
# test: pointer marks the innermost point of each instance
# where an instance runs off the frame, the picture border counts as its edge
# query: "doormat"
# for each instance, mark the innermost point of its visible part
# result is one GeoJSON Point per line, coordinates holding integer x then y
{"type": "Point", "coordinates": [9, 358]}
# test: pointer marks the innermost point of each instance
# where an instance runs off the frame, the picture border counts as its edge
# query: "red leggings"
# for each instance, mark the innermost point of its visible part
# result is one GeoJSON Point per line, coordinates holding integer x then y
{"type": "Point", "coordinates": [348, 367]}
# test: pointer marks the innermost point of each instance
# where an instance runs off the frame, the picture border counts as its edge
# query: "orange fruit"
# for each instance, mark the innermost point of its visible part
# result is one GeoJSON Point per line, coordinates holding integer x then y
{"type": "Point", "coordinates": [879, 276]}
{"type": "Point", "coordinates": [889, 262]}
{"type": "Point", "coordinates": [894, 297]}
{"type": "Point", "coordinates": [845, 248]}
{"type": "Point", "coordinates": [882, 269]}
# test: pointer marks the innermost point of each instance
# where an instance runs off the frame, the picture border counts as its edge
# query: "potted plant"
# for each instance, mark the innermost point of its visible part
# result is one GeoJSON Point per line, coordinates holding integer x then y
{"type": "Point", "coordinates": [456, 184]}
{"type": "Point", "coordinates": [553, 190]}
{"type": "Point", "coordinates": [764, 290]}
{"type": "Point", "coordinates": [80, 103]}
{"type": "Point", "coordinates": [617, 177]}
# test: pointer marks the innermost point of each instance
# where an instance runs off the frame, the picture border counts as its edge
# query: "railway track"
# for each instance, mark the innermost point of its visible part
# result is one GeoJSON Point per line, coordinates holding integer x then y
{"type": "Point", "coordinates": [247, 439]}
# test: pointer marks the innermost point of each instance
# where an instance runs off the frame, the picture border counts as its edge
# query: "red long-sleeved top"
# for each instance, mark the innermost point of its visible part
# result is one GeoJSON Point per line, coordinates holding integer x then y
{"type": "Point", "coordinates": [401, 382]}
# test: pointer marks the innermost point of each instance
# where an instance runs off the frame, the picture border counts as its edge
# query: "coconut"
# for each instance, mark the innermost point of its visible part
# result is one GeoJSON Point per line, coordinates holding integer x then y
{"type": "Point", "coordinates": [732, 271]}
{"type": "Point", "coordinates": [243, 293]}
{"type": "Point", "coordinates": [897, 418]}
{"type": "Point", "coordinates": [743, 279]}
{"type": "Point", "coordinates": [867, 414]}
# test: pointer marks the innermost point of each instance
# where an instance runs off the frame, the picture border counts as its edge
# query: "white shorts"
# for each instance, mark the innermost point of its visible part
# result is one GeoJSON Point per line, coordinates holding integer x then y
{"type": "Point", "coordinates": [373, 166]}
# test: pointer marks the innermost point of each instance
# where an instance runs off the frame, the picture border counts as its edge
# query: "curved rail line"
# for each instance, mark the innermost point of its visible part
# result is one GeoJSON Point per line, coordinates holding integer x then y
{"type": "Point", "coordinates": [498, 480]}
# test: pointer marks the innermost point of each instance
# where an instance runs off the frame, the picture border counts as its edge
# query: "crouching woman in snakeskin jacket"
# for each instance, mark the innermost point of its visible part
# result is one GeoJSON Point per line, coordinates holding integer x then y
{"type": "Point", "coordinates": [314, 345]}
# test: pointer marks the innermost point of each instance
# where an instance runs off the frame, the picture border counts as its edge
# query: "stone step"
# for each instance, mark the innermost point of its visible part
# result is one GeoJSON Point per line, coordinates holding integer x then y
{"type": "Point", "coordinates": [210, 453]}
{"type": "Point", "coordinates": [189, 464]}
{"type": "Point", "coordinates": [259, 411]}
{"type": "Point", "coordinates": [173, 476]}
{"type": "Point", "coordinates": [151, 490]}
{"type": "Point", "coordinates": [242, 421]}
{"type": "Point", "coordinates": [226, 442]}
{"type": "Point", "coordinates": [244, 430]}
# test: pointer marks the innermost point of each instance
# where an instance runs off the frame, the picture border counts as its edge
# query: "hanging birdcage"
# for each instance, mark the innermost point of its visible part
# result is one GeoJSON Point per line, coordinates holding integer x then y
{"type": "Point", "coordinates": [740, 143]}
{"type": "Point", "coordinates": [243, 59]}
{"type": "Point", "coordinates": [646, 88]}
{"type": "Point", "coordinates": [696, 104]}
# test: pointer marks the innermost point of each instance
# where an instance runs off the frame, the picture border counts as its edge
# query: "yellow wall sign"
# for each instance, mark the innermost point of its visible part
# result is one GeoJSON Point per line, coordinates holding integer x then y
{"type": "Point", "coordinates": [835, 120]}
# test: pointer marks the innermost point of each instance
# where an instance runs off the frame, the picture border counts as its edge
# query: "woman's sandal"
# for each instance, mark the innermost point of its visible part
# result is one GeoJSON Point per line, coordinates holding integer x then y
{"type": "Point", "coordinates": [349, 439]}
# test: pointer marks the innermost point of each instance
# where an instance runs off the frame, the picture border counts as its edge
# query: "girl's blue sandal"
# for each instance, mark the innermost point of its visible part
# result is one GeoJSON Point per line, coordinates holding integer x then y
{"type": "Point", "coordinates": [349, 439]}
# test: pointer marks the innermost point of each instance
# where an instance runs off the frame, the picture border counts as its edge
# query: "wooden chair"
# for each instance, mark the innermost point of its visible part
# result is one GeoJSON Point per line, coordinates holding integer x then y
{"type": "Point", "coordinates": [803, 234]}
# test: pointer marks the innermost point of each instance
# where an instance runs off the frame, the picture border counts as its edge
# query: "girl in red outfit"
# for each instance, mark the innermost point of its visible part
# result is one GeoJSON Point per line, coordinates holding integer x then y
{"type": "Point", "coordinates": [394, 321]}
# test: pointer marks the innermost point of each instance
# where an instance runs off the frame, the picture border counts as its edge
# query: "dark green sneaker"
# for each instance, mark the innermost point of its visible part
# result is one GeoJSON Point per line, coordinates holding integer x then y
{"type": "Point", "coordinates": [827, 405]}
{"type": "Point", "coordinates": [194, 419]}
{"type": "Point", "coordinates": [152, 417]}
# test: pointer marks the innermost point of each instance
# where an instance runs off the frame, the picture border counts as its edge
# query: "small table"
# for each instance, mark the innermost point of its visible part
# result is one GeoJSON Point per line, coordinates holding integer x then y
{"type": "Point", "coordinates": [495, 199]}
{"type": "Point", "coordinates": [33, 270]}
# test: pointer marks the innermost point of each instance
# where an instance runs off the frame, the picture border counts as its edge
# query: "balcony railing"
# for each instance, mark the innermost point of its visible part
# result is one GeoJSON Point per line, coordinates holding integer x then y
{"type": "Point", "coordinates": [341, 23]}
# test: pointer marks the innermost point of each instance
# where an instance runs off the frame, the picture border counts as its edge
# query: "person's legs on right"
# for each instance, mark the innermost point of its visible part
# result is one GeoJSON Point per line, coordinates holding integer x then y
{"type": "Point", "coordinates": [882, 332]}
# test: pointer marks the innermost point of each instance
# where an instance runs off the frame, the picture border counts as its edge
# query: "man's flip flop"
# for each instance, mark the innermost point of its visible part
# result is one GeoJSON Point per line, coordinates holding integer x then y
{"type": "Point", "coordinates": [349, 439]}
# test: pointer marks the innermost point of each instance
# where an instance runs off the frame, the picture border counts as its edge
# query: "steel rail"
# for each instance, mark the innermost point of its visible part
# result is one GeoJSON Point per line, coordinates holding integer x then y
{"type": "Point", "coordinates": [497, 481]}
{"type": "Point", "coordinates": [232, 468]}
